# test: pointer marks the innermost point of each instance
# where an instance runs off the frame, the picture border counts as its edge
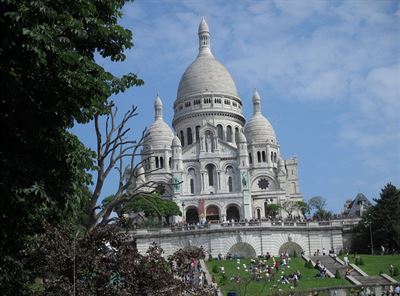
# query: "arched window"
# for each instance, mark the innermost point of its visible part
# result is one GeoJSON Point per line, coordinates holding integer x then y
{"type": "Point", "coordinates": [210, 171]}
{"type": "Point", "coordinates": [198, 133]}
{"type": "Point", "coordinates": [229, 133]}
{"type": "Point", "coordinates": [220, 132]}
{"type": "Point", "coordinates": [161, 162]}
{"type": "Point", "coordinates": [236, 134]}
{"type": "Point", "coordinates": [191, 186]}
{"type": "Point", "coordinates": [259, 214]}
{"type": "Point", "coordinates": [169, 162]}
{"type": "Point", "coordinates": [250, 159]}
{"type": "Point", "coordinates": [266, 210]}
{"type": "Point", "coordinates": [258, 156]}
{"type": "Point", "coordinates": [191, 177]}
{"type": "Point", "coordinates": [182, 139]}
{"type": "Point", "coordinates": [230, 185]}
{"type": "Point", "coordinates": [157, 164]}
{"type": "Point", "coordinates": [263, 156]}
{"type": "Point", "coordinates": [189, 136]}
{"type": "Point", "coordinates": [272, 156]}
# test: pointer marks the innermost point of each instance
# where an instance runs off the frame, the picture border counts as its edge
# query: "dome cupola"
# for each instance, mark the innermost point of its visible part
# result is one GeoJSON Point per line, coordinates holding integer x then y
{"type": "Point", "coordinates": [259, 129]}
{"type": "Point", "coordinates": [159, 134]}
{"type": "Point", "coordinates": [205, 74]}
{"type": "Point", "coordinates": [206, 89]}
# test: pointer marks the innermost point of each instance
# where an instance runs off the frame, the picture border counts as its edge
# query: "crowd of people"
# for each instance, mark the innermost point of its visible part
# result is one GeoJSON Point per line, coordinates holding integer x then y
{"type": "Point", "coordinates": [264, 268]}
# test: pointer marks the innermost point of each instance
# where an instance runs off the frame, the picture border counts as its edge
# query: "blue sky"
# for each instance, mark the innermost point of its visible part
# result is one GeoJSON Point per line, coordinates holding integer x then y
{"type": "Point", "coordinates": [328, 73]}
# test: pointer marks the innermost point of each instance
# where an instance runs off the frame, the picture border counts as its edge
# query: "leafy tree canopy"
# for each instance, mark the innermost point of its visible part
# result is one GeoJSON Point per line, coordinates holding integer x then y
{"type": "Point", "coordinates": [50, 79]}
{"type": "Point", "coordinates": [151, 204]}
{"type": "Point", "coordinates": [317, 203]}
{"type": "Point", "coordinates": [382, 220]}
{"type": "Point", "coordinates": [273, 209]}
{"type": "Point", "coordinates": [106, 265]}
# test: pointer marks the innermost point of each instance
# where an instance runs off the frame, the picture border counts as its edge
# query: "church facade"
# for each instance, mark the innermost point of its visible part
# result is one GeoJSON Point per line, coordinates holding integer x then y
{"type": "Point", "coordinates": [218, 166]}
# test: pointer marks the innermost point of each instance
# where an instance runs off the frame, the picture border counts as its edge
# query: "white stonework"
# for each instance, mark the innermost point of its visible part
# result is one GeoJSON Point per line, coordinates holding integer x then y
{"type": "Point", "coordinates": [263, 238]}
{"type": "Point", "coordinates": [227, 169]}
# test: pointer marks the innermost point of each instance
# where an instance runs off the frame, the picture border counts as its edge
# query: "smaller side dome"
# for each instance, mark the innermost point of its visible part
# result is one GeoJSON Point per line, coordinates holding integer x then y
{"type": "Point", "coordinates": [259, 129]}
{"type": "Point", "coordinates": [241, 138]}
{"type": "Point", "coordinates": [159, 134]}
{"type": "Point", "coordinates": [176, 142]}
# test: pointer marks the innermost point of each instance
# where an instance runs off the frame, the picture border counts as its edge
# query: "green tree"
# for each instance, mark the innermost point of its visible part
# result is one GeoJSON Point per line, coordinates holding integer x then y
{"type": "Point", "coordinates": [272, 210]}
{"type": "Point", "coordinates": [382, 220]}
{"type": "Point", "coordinates": [317, 203]}
{"type": "Point", "coordinates": [289, 206]}
{"type": "Point", "coordinates": [303, 207]}
{"type": "Point", "coordinates": [49, 80]}
{"type": "Point", "coordinates": [152, 205]}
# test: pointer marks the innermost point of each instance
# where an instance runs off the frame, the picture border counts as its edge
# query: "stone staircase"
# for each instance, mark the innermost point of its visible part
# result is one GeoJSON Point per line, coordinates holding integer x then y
{"type": "Point", "coordinates": [357, 276]}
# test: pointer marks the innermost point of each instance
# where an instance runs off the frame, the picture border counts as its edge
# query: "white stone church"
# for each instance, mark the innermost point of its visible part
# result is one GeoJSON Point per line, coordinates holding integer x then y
{"type": "Point", "coordinates": [220, 167]}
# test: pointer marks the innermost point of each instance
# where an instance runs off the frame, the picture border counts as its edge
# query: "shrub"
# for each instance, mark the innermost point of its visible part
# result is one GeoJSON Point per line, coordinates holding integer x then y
{"type": "Point", "coordinates": [306, 264]}
{"type": "Point", "coordinates": [360, 261]}
{"type": "Point", "coordinates": [310, 265]}
{"type": "Point", "coordinates": [294, 254]}
{"type": "Point", "coordinates": [215, 269]}
{"type": "Point", "coordinates": [357, 261]}
{"type": "Point", "coordinates": [341, 253]}
{"type": "Point", "coordinates": [396, 271]}
{"type": "Point", "coordinates": [337, 274]}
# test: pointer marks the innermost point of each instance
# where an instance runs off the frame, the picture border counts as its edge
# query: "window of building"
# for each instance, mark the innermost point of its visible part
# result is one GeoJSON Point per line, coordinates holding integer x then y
{"type": "Point", "coordinates": [263, 156]}
{"type": "Point", "coordinates": [189, 136]}
{"type": "Point", "coordinates": [250, 159]}
{"type": "Point", "coordinates": [236, 134]}
{"type": "Point", "coordinates": [161, 162]}
{"type": "Point", "coordinates": [230, 184]}
{"type": "Point", "coordinates": [220, 132]}
{"type": "Point", "coordinates": [182, 138]}
{"type": "Point", "coordinates": [258, 156]}
{"type": "Point", "coordinates": [157, 164]}
{"type": "Point", "coordinates": [198, 133]}
{"type": "Point", "coordinates": [229, 133]}
{"type": "Point", "coordinates": [210, 171]}
{"type": "Point", "coordinates": [191, 186]}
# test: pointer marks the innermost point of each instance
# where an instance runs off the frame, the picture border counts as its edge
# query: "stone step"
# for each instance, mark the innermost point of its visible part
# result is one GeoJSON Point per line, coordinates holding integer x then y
{"type": "Point", "coordinates": [371, 279]}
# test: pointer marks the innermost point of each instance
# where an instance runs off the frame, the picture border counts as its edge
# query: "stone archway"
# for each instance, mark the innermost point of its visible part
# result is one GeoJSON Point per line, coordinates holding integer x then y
{"type": "Point", "coordinates": [212, 213]}
{"type": "Point", "coordinates": [290, 248]}
{"type": "Point", "coordinates": [243, 250]}
{"type": "Point", "coordinates": [192, 215]}
{"type": "Point", "coordinates": [232, 212]}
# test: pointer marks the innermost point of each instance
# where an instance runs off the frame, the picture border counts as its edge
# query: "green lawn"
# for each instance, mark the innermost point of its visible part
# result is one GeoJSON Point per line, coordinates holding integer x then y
{"type": "Point", "coordinates": [254, 288]}
{"type": "Point", "coordinates": [373, 265]}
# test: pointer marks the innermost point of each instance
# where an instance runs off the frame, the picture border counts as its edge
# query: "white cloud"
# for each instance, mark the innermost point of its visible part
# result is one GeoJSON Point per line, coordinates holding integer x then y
{"type": "Point", "coordinates": [345, 52]}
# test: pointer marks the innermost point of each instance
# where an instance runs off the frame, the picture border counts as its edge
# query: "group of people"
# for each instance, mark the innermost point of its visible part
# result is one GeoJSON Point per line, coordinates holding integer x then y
{"type": "Point", "coordinates": [322, 271]}
{"type": "Point", "coordinates": [195, 274]}
{"type": "Point", "coordinates": [264, 268]}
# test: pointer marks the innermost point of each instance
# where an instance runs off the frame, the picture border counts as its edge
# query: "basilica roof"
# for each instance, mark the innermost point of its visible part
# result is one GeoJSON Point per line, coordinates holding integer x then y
{"type": "Point", "coordinates": [258, 128]}
{"type": "Point", "coordinates": [159, 134]}
{"type": "Point", "coordinates": [206, 74]}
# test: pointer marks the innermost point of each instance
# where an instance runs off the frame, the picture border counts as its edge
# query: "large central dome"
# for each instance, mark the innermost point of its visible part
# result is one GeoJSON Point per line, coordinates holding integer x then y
{"type": "Point", "coordinates": [206, 74]}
